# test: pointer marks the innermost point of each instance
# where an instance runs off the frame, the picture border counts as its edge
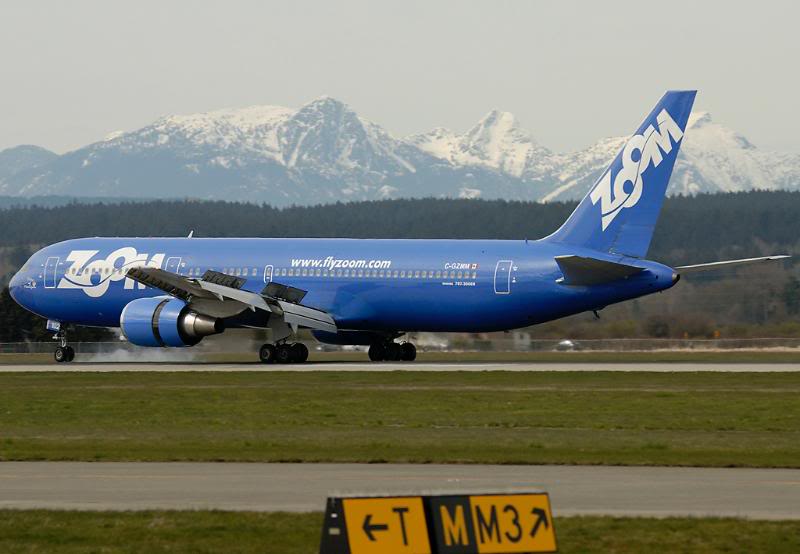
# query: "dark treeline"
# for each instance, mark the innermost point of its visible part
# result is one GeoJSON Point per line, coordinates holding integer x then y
{"type": "Point", "coordinates": [421, 218]}
{"type": "Point", "coordinates": [691, 229]}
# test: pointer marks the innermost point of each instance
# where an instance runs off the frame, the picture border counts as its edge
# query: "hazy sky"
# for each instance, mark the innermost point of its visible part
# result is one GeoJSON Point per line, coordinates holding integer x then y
{"type": "Point", "coordinates": [571, 72]}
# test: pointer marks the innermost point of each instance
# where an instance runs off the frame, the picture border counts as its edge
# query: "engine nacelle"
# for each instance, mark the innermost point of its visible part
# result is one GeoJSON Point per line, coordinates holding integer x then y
{"type": "Point", "coordinates": [166, 322]}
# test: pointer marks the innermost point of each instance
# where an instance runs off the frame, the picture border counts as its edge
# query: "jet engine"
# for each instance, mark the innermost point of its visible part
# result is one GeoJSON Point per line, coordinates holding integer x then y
{"type": "Point", "coordinates": [164, 321]}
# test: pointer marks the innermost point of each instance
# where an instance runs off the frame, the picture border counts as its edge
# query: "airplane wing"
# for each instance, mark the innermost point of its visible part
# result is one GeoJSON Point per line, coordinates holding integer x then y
{"type": "Point", "coordinates": [171, 283]}
{"type": "Point", "coordinates": [727, 263]}
{"type": "Point", "coordinates": [579, 270]}
{"type": "Point", "coordinates": [215, 287]}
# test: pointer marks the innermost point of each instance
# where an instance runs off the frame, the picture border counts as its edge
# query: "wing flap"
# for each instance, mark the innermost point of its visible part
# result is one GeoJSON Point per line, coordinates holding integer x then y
{"type": "Point", "coordinates": [297, 314]}
{"type": "Point", "coordinates": [245, 297]}
{"type": "Point", "coordinates": [223, 279]}
{"type": "Point", "coordinates": [221, 288]}
{"type": "Point", "coordinates": [580, 270]}
{"type": "Point", "coordinates": [171, 283]}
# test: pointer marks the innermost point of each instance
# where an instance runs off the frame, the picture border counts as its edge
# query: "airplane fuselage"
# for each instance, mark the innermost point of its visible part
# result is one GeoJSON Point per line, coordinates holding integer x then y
{"type": "Point", "coordinates": [375, 285]}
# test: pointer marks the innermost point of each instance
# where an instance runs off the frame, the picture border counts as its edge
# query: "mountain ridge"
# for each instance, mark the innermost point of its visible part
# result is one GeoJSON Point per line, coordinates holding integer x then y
{"type": "Point", "coordinates": [324, 151]}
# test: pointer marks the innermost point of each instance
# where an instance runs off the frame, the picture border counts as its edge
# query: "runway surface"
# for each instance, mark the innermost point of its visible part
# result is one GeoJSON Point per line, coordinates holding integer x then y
{"type": "Point", "coordinates": [407, 366]}
{"type": "Point", "coordinates": [640, 491]}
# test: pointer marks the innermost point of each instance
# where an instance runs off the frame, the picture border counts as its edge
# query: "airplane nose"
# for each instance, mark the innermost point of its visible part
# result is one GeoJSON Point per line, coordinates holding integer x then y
{"type": "Point", "coordinates": [14, 286]}
{"type": "Point", "coordinates": [17, 290]}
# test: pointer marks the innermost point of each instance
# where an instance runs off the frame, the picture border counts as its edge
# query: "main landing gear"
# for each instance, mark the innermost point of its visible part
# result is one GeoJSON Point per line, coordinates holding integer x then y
{"type": "Point", "coordinates": [392, 352]}
{"type": "Point", "coordinates": [63, 353]}
{"type": "Point", "coordinates": [283, 353]}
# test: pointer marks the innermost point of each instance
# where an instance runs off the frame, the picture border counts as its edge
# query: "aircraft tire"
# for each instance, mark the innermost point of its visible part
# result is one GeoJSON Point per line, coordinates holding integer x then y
{"type": "Point", "coordinates": [70, 353]}
{"type": "Point", "coordinates": [299, 352]}
{"type": "Point", "coordinates": [284, 354]}
{"type": "Point", "coordinates": [394, 352]}
{"type": "Point", "coordinates": [408, 352]}
{"type": "Point", "coordinates": [377, 352]}
{"type": "Point", "coordinates": [267, 353]}
{"type": "Point", "coordinates": [60, 355]}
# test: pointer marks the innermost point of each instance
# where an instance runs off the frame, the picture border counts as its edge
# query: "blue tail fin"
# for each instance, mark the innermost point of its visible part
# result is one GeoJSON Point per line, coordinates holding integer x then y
{"type": "Point", "coordinates": [620, 212]}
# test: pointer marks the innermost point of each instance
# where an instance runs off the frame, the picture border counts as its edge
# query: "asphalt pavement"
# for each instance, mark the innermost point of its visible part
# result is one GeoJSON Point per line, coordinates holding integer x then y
{"type": "Point", "coordinates": [610, 490]}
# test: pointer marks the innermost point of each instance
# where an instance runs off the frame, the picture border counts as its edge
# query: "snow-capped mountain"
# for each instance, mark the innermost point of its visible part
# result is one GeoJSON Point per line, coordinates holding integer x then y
{"type": "Point", "coordinates": [321, 152]}
{"type": "Point", "coordinates": [713, 158]}
{"type": "Point", "coordinates": [496, 142]}
{"type": "Point", "coordinates": [717, 159]}
{"type": "Point", "coordinates": [324, 152]}
{"type": "Point", "coordinates": [19, 158]}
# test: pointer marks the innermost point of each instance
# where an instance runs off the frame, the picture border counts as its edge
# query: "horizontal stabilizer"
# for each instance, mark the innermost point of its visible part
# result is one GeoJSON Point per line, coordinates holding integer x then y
{"type": "Point", "coordinates": [727, 263]}
{"type": "Point", "coordinates": [579, 270]}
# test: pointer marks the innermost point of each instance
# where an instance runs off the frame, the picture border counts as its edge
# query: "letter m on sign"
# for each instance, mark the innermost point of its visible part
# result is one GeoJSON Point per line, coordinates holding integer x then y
{"type": "Point", "coordinates": [452, 525]}
{"type": "Point", "coordinates": [454, 528]}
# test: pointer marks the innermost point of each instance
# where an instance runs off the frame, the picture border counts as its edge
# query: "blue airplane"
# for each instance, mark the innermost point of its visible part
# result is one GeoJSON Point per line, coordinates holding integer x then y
{"type": "Point", "coordinates": [172, 292]}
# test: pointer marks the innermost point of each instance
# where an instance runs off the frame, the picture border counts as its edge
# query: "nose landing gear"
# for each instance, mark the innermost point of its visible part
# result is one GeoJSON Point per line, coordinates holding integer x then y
{"type": "Point", "coordinates": [392, 352]}
{"type": "Point", "coordinates": [63, 353]}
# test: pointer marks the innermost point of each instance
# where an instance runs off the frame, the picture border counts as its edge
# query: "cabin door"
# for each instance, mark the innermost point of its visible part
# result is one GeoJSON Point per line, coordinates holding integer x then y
{"type": "Point", "coordinates": [502, 277]}
{"type": "Point", "coordinates": [173, 265]}
{"type": "Point", "coordinates": [51, 272]}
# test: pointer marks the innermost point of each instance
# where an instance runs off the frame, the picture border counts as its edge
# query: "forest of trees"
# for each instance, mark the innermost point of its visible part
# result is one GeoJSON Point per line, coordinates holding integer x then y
{"type": "Point", "coordinates": [691, 229]}
{"type": "Point", "coordinates": [758, 300]}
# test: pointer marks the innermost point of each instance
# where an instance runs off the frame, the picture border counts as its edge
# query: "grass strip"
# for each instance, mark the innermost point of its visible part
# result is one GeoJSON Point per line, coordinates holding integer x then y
{"type": "Point", "coordinates": [700, 419]}
{"type": "Point", "coordinates": [73, 532]}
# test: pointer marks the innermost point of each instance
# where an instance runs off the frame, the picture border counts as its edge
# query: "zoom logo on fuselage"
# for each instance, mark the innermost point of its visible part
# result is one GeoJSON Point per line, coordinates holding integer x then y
{"type": "Point", "coordinates": [94, 276]}
{"type": "Point", "coordinates": [637, 156]}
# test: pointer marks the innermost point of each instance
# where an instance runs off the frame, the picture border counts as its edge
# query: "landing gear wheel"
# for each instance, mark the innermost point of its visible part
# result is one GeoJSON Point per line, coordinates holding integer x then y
{"type": "Point", "coordinates": [267, 353]}
{"type": "Point", "coordinates": [60, 354]}
{"type": "Point", "coordinates": [299, 352]}
{"type": "Point", "coordinates": [377, 352]}
{"type": "Point", "coordinates": [63, 352]}
{"type": "Point", "coordinates": [408, 352]}
{"type": "Point", "coordinates": [393, 352]}
{"type": "Point", "coordinates": [284, 354]}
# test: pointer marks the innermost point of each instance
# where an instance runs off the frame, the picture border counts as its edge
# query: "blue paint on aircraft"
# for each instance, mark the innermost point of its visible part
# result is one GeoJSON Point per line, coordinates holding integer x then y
{"type": "Point", "coordinates": [392, 286]}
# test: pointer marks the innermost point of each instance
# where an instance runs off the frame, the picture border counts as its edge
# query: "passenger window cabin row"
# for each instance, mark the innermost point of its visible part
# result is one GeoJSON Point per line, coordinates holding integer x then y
{"type": "Point", "coordinates": [375, 273]}
{"type": "Point", "coordinates": [305, 272]}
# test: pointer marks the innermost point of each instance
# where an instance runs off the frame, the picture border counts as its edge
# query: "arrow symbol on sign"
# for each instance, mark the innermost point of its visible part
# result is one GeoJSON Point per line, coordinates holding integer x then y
{"type": "Point", "coordinates": [370, 528]}
{"type": "Point", "coordinates": [541, 519]}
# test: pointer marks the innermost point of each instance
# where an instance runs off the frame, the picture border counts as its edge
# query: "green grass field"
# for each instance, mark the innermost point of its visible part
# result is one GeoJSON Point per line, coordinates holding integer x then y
{"type": "Point", "coordinates": [279, 533]}
{"type": "Point", "coordinates": [704, 419]}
